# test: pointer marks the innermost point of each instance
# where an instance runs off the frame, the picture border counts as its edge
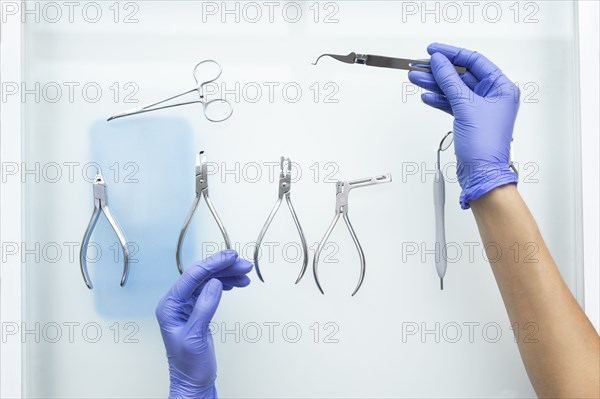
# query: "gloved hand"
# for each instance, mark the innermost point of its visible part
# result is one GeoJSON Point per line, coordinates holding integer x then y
{"type": "Point", "coordinates": [184, 314]}
{"type": "Point", "coordinates": [484, 103]}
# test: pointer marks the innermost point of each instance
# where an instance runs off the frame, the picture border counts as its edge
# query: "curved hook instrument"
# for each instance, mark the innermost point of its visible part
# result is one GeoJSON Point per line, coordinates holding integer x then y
{"type": "Point", "coordinates": [201, 191]}
{"type": "Point", "coordinates": [386, 62]}
{"type": "Point", "coordinates": [341, 209]}
{"type": "Point", "coordinates": [285, 184]}
{"type": "Point", "coordinates": [101, 205]}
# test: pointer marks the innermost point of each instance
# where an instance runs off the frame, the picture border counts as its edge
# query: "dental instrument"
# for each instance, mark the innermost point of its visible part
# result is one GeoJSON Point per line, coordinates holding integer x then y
{"type": "Point", "coordinates": [201, 191]}
{"type": "Point", "coordinates": [285, 185]}
{"type": "Point", "coordinates": [341, 209]}
{"type": "Point", "coordinates": [217, 110]}
{"type": "Point", "coordinates": [439, 199]}
{"type": "Point", "coordinates": [385, 62]}
{"type": "Point", "coordinates": [101, 205]}
{"type": "Point", "coordinates": [511, 164]}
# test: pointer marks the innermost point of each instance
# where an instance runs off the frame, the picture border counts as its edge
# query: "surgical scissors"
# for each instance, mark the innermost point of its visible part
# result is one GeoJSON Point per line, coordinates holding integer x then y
{"type": "Point", "coordinates": [385, 62]}
{"type": "Point", "coordinates": [201, 190]}
{"type": "Point", "coordinates": [212, 111]}
{"type": "Point", "coordinates": [285, 184]}
{"type": "Point", "coordinates": [341, 209]}
{"type": "Point", "coordinates": [101, 204]}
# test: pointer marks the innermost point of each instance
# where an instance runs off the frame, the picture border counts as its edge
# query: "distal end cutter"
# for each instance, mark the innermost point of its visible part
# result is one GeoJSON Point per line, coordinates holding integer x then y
{"type": "Point", "coordinates": [201, 190]}
{"type": "Point", "coordinates": [101, 204]}
{"type": "Point", "coordinates": [285, 184]}
{"type": "Point", "coordinates": [341, 209]}
{"type": "Point", "coordinates": [385, 62]}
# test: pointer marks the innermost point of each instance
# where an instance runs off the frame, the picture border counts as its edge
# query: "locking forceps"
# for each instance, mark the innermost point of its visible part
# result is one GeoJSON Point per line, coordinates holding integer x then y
{"type": "Point", "coordinates": [101, 204]}
{"type": "Point", "coordinates": [285, 184]}
{"type": "Point", "coordinates": [385, 62]}
{"type": "Point", "coordinates": [341, 209]}
{"type": "Point", "coordinates": [217, 110]}
{"type": "Point", "coordinates": [201, 191]}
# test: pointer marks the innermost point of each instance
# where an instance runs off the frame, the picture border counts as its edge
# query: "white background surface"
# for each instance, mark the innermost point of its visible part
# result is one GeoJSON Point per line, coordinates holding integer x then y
{"type": "Point", "coordinates": [370, 130]}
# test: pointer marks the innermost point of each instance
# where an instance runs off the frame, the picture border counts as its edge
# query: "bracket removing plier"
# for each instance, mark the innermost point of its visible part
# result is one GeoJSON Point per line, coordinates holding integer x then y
{"type": "Point", "coordinates": [285, 184]}
{"type": "Point", "coordinates": [201, 191]}
{"type": "Point", "coordinates": [101, 204]}
{"type": "Point", "coordinates": [341, 209]}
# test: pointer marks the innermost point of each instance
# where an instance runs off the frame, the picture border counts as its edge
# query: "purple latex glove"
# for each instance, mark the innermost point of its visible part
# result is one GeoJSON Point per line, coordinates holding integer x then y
{"type": "Point", "coordinates": [484, 103]}
{"type": "Point", "coordinates": [184, 314]}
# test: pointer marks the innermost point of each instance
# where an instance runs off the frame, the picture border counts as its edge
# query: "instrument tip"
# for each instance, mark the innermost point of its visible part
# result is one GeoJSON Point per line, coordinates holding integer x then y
{"type": "Point", "coordinates": [441, 284]}
{"type": "Point", "coordinates": [317, 60]}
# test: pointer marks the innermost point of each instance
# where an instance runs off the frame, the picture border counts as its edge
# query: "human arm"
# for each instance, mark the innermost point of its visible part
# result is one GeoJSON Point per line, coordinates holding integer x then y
{"type": "Point", "coordinates": [565, 360]}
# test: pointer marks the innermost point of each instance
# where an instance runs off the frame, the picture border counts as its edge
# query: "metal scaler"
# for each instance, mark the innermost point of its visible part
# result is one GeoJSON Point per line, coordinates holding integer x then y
{"type": "Point", "coordinates": [285, 185]}
{"type": "Point", "coordinates": [201, 191]}
{"type": "Point", "coordinates": [101, 205]}
{"type": "Point", "coordinates": [217, 110]}
{"type": "Point", "coordinates": [385, 62]}
{"type": "Point", "coordinates": [341, 209]}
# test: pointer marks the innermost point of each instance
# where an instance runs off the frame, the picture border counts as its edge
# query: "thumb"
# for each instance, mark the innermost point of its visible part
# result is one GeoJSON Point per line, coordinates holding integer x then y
{"type": "Point", "coordinates": [206, 305]}
{"type": "Point", "coordinates": [448, 79]}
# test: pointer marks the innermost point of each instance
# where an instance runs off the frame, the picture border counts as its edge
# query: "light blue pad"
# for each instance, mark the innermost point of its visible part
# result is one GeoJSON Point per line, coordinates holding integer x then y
{"type": "Point", "coordinates": [148, 164]}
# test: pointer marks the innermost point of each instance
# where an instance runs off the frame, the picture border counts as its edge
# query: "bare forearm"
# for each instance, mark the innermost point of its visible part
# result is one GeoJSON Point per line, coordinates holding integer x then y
{"type": "Point", "coordinates": [563, 360]}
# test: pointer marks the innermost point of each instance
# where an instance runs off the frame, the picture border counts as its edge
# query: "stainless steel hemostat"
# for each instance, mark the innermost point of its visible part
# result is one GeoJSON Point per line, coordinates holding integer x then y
{"type": "Point", "coordinates": [217, 110]}
{"type": "Point", "coordinates": [341, 209]}
{"type": "Point", "coordinates": [285, 185]}
{"type": "Point", "coordinates": [101, 205]}
{"type": "Point", "coordinates": [201, 191]}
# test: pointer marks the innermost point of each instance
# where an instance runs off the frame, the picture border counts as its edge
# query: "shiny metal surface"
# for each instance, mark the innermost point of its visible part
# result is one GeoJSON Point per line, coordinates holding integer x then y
{"type": "Point", "coordinates": [101, 205]}
{"type": "Point", "coordinates": [208, 107]}
{"type": "Point", "coordinates": [341, 209]}
{"type": "Point", "coordinates": [285, 185]}
{"type": "Point", "coordinates": [385, 62]}
{"type": "Point", "coordinates": [201, 191]}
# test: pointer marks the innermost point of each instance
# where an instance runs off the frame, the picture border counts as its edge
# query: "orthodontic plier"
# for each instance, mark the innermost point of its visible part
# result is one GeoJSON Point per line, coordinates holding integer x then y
{"type": "Point", "coordinates": [101, 205]}
{"type": "Point", "coordinates": [341, 209]}
{"type": "Point", "coordinates": [285, 184]}
{"type": "Point", "coordinates": [201, 191]}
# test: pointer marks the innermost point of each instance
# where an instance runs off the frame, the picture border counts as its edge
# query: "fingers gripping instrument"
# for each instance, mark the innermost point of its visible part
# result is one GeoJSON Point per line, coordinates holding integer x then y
{"type": "Point", "coordinates": [285, 185]}
{"type": "Point", "coordinates": [341, 209]}
{"type": "Point", "coordinates": [101, 205]}
{"type": "Point", "coordinates": [201, 191]}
